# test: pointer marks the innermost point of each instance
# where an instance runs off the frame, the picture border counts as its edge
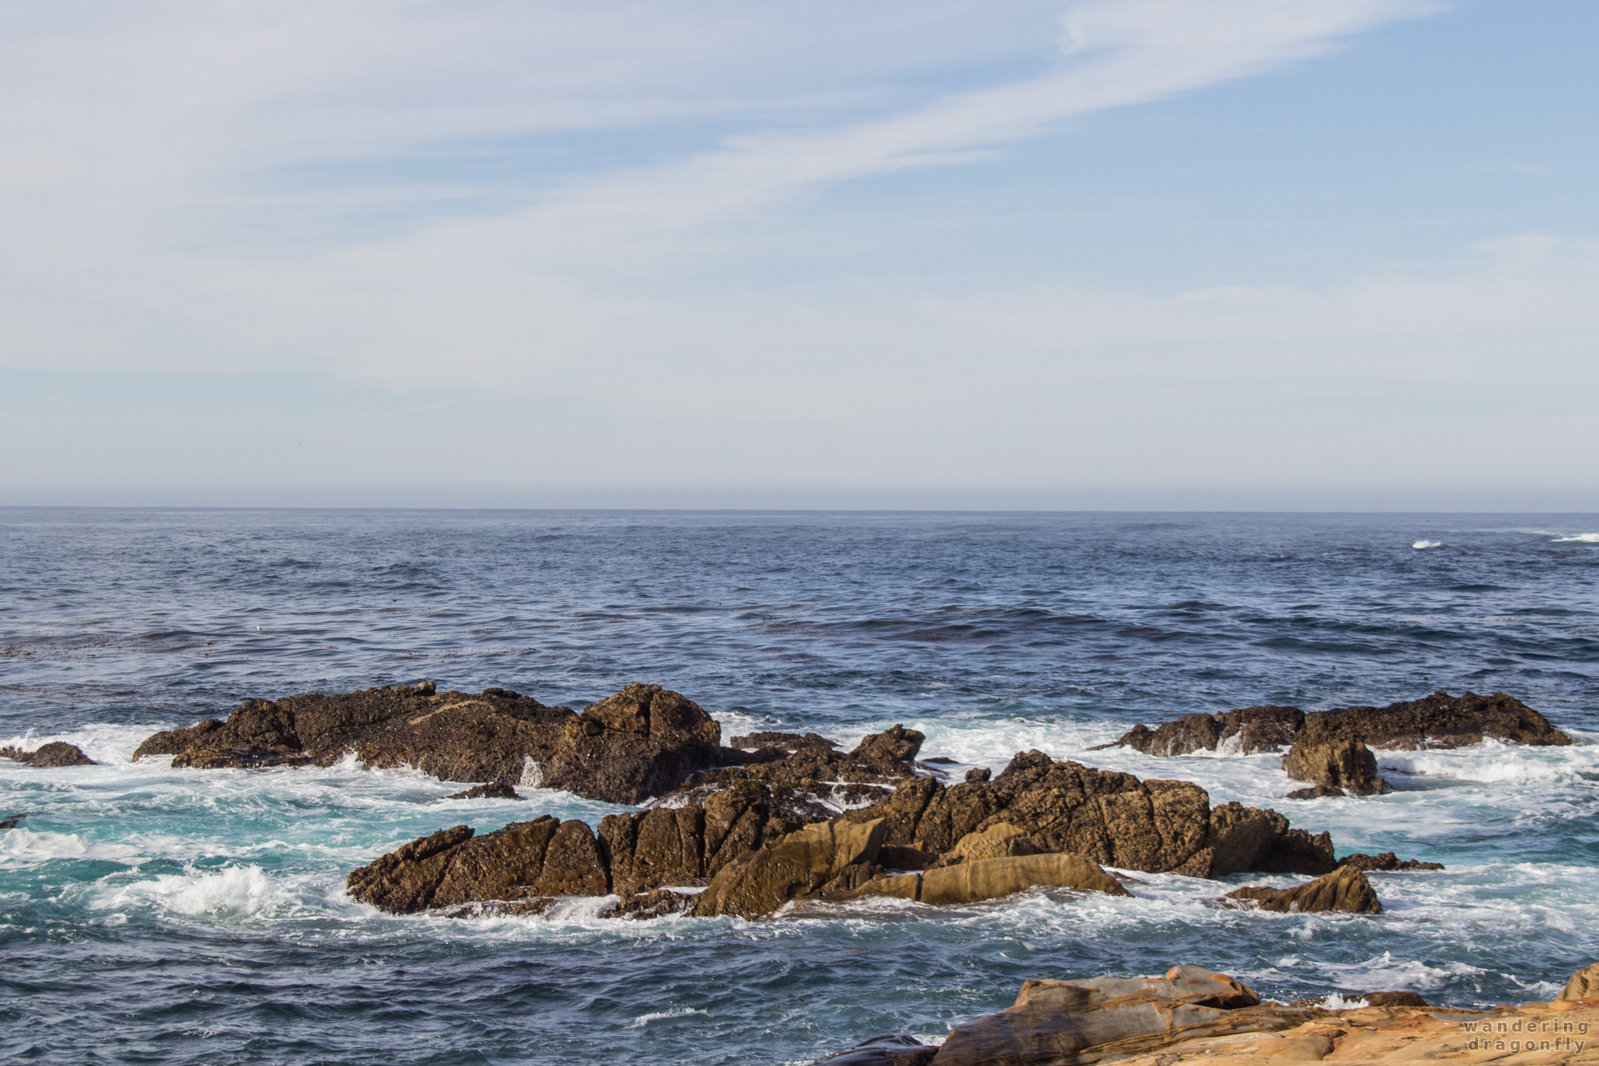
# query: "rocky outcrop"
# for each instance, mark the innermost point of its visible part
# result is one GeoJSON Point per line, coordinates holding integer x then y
{"type": "Point", "coordinates": [636, 744]}
{"type": "Point", "coordinates": [1193, 1017]}
{"type": "Point", "coordinates": [1113, 818]}
{"type": "Point", "coordinates": [1105, 1018]}
{"type": "Point", "coordinates": [809, 777]}
{"type": "Point", "coordinates": [1345, 889]}
{"type": "Point", "coordinates": [1584, 984]}
{"type": "Point", "coordinates": [1255, 729]}
{"type": "Point", "coordinates": [54, 754]}
{"type": "Point", "coordinates": [1335, 767]}
{"type": "Point", "coordinates": [826, 858]}
{"type": "Point", "coordinates": [1439, 720]}
{"type": "Point", "coordinates": [1386, 862]}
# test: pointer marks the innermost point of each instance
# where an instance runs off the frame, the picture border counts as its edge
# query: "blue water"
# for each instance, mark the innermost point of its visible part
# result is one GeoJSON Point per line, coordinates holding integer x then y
{"type": "Point", "coordinates": [150, 915]}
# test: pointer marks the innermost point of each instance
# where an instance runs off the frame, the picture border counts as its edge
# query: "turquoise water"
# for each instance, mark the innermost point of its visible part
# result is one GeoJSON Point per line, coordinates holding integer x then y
{"type": "Point", "coordinates": [152, 915]}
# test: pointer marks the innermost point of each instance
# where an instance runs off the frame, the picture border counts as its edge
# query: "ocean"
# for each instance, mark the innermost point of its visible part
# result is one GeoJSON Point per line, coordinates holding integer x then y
{"type": "Point", "coordinates": [151, 915]}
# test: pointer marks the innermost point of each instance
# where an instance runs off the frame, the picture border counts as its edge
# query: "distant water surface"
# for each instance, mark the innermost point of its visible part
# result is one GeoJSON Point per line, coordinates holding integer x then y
{"type": "Point", "coordinates": [150, 915]}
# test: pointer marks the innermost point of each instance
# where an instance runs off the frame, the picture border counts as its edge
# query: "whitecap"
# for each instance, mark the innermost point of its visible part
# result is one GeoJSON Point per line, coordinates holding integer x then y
{"type": "Point", "coordinates": [231, 892]}
{"type": "Point", "coordinates": [662, 1015]}
{"type": "Point", "coordinates": [1421, 544]}
{"type": "Point", "coordinates": [1579, 538]}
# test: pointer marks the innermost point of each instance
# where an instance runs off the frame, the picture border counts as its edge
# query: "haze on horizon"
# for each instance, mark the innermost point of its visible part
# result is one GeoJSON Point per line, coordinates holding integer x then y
{"type": "Point", "coordinates": [1230, 254]}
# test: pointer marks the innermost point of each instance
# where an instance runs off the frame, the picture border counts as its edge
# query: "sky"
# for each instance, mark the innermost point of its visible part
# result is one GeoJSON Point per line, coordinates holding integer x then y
{"type": "Point", "coordinates": [1146, 254]}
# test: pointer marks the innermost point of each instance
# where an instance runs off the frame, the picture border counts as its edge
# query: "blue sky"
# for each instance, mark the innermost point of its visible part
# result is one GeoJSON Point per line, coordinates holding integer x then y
{"type": "Point", "coordinates": [1174, 253]}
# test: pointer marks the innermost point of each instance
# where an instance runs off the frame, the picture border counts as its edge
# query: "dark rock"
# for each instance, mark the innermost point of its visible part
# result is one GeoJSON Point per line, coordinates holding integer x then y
{"type": "Point", "coordinates": [979, 773]}
{"type": "Point", "coordinates": [624, 749]}
{"type": "Point", "coordinates": [12, 822]}
{"type": "Point", "coordinates": [1314, 792]}
{"type": "Point", "coordinates": [807, 783]}
{"type": "Point", "coordinates": [51, 755]}
{"type": "Point", "coordinates": [498, 790]}
{"type": "Point", "coordinates": [1345, 889]}
{"type": "Point", "coordinates": [1386, 862]}
{"type": "Point", "coordinates": [1439, 720]}
{"type": "Point", "coordinates": [654, 904]}
{"type": "Point", "coordinates": [1257, 729]}
{"type": "Point", "coordinates": [523, 861]}
{"type": "Point", "coordinates": [886, 1050]}
{"type": "Point", "coordinates": [785, 742]}
{"type": "Point", "coordinates": [1113, 818]}
{"type": "Point", "coordinates": [1394, 999]}
{"type": "Point", "coordinates": [1345, 764]}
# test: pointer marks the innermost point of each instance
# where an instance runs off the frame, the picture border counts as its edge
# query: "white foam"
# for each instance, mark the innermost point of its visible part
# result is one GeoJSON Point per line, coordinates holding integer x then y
{"type": "Point", "coordinates": [1337, 1001]}
{"type": "Point", "coordinates": [231, 892]}
{"type": "Point", "coordinates": [1579, 538]}
{"type": "Point", "coordinates": [27, 847]}
{"type": "Point", "coordinates": [1423, 544]}
{"type": "Point", "coordinates": [662, 1015]}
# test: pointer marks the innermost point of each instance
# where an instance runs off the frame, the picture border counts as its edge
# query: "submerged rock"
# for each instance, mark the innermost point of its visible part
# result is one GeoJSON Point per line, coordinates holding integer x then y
{"type": "Point", "coordinates": [489, 790]}
{"type": "Point", "coordinates": [54, 754]}
{"type": "Point", "coordinates": [636, 744]}
{"type": "Point", "coordinates": [12, 821]}
{"type": "Point", "coordinates": [886, 1050]}
{"type": "Point", "coordinates": [1345, 889]}
{"type": "Point", "coordinates": [1386, 862]}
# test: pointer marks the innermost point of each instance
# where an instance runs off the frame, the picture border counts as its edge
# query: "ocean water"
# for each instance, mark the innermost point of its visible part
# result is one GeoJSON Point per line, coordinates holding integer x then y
{"type": "Point", "coordinates": [156, 916]}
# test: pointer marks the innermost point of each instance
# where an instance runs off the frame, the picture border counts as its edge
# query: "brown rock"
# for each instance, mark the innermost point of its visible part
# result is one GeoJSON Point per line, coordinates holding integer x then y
{"type": "Point", "coordinates": [1113, 818]}
{"type": "Point", "coordinates": [1054, 1023]}
{"type": "Point", "coordinates": [997, 841]}
{"type": "Point", "coordinates": [634, 745]}
{"type": "Point", "coordinates": [521, 862]}
{"type": "Point", "coordinates": [1345, 889]}
{"type": "Point", "coordinates": [1439, 720]}
{"type": "Point", "coordinates": [48, 756]}
{"type": "Point", "coordinates": [980, 879]}
{"type": "Point", "coordinates": [1393, 999]}
{"type": "Point", "coordinates": [488, 790]}
{"type": "Point", "coordinates": [794, 867]}
{"type": "Point", "coordinates": [1257, 729]}
{"type": "Point", "coordinates": [1345, 764]}
{"type": "Point", "coordinates": [1385, 862]}
{"type": "Point", "coordinates": [1584, 984]}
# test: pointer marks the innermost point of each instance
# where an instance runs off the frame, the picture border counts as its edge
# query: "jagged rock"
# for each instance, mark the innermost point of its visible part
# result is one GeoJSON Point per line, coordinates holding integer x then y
{"type": "Point", "coordinates": [489, 790]}
{"type": "Point", "coordinates": [1113, 818]}
{"type": "Point", "coordinates": [657, 903]}
{"type": "Point", "coordinates": [47, 756]}
{"type": "Point", "coordinates": [806, 783]}
{"type": "Point", "coordinates": [1438, 720]}
{"type": "Point", "coordinates": [12, 822]}
{"type": "Point", "coordinates": [1257, 729]}
{"type": "Point", "coordinates": [795, 867]}
{"type": "Point", "coordinates": [522, 861]}
{"type": "Point", "coordinates": [1584, 984]}
{"type": "Point", "coordinates": [1346, 765]}
{"type": "Point", "coordinates": [979, 773]}
{"type": "Point", "coordinates": [784, 742]}
{"type": "Point", "coordinates": [886, 1050]}
{"type": "Point", "coordinates": [629, 747]}
{"type": "Point", "coordinates": [1061, 1022]}
{"type": "Point", "coordinates": [1345, 889]}
{"type": "Point", "coordinates": [1386, 862]}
